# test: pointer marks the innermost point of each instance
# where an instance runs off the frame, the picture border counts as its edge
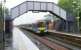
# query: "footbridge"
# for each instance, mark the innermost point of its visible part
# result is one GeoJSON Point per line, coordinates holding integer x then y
{"type": "Point", "coordinates": [40, 7]}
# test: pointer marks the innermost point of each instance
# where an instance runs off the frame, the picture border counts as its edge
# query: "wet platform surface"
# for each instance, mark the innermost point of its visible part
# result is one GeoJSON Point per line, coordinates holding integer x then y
{"type": "Point", "coordinates": [20, 42]}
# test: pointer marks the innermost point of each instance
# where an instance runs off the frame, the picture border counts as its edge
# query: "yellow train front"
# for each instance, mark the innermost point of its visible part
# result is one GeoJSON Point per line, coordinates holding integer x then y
{"type": "Point", "coordinates": [41, 27]}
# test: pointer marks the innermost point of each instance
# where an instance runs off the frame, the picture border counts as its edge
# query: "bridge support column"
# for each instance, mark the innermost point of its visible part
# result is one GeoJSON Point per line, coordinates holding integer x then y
{"type": "Point", "coordinates": [66, 25]}
{"type": "Point", "coordinates": [70, 27]}
{"type": "Point", "coordinates": [8, 32]}
{"type": "Point", "coordinates": [8, 26]}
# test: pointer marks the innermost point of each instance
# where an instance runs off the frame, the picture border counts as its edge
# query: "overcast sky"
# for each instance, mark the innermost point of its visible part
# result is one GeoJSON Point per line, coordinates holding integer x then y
{"type": "Point", "coordinates": [27, 17]}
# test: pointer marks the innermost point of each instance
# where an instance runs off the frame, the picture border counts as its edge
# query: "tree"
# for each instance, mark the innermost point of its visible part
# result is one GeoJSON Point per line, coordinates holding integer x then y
{"type": "Point", "coordinates": [73, 6]}
{"type": "Point", "coordinates": [65, 4]}
{"type": "Point", "coordinates": [1, 18]}
{"type": "Point", "coordinates": [3, 13]}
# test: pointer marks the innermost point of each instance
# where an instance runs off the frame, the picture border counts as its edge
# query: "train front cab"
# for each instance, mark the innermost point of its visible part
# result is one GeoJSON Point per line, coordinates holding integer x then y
{"type": "Point", "coordinates": [42, 30]}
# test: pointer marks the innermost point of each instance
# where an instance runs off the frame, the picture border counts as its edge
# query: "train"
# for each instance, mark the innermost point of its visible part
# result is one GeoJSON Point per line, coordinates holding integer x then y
{"type": "Point", "coordinates": [40, 27]}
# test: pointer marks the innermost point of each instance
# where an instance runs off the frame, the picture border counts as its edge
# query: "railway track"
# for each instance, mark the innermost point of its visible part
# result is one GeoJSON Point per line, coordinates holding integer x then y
{"type": "Point", "coordinates": [72, 39]}
{"type": "Point", "coordinates": [62, 42]}
{"type": "Point", "coordinates": [75, 41]}
{"type": "Point", "coordinates": [49, 43]}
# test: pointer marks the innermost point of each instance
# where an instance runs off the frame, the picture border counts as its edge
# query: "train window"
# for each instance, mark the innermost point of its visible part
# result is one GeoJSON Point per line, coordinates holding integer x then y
{"type": "Point", "coordinates": [41, 24]}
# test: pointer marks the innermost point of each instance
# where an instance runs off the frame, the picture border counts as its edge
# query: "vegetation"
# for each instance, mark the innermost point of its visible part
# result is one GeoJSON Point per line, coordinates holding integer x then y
{"type": "Point", "coordinates": [3, 13]}
{"type": "Point", "coordinates": [73, 6]}
{"type": "Point", "coordinates": [1, 26]}
{"type": "Point", "coordinates": [1, 18]}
